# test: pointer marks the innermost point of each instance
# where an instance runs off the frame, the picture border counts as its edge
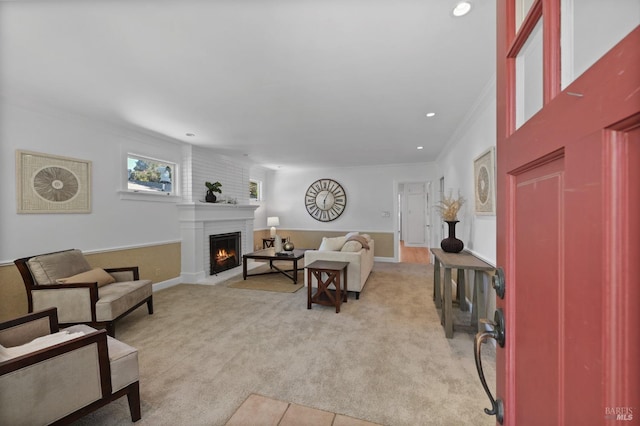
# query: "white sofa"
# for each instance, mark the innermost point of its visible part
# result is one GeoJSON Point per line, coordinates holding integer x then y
{"type": "Point", "coordinates": [339, 249]}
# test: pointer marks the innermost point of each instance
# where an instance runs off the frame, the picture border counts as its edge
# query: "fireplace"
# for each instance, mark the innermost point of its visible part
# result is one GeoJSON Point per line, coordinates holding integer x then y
{"type": "Point", "coordinates": [224, 251]}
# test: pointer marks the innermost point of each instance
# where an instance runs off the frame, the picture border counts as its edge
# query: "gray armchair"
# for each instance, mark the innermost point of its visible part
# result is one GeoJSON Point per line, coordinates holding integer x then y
{"type": "Point", "coordinates": [83, 295]}
{"type": "Point", "coordinates": [57, 383]}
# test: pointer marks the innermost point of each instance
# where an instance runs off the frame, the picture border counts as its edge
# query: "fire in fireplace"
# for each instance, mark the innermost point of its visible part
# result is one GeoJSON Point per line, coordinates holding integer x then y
{"type": "Point", "coordinates": [225, 251]}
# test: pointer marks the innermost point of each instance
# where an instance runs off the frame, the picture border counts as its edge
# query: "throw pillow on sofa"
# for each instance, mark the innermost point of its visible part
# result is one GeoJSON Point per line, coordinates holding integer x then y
{"type": "Point", "coordinates": [332, 244]}
{"type": "Point", "coordinates": [364, 242]}
{"type": "Point", "coordinates": [98, 275]}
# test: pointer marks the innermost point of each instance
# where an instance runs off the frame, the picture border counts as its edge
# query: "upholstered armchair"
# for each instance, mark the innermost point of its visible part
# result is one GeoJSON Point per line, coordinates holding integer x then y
{"type": "Point", "coordinates": [48, 376]}
{"type": "Point", "coordinates": [83, 295]}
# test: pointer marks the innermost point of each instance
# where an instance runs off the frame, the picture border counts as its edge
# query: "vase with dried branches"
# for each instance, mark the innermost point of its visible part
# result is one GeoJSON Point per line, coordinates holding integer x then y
{"type": "Point", "coordinates": [449, 208]}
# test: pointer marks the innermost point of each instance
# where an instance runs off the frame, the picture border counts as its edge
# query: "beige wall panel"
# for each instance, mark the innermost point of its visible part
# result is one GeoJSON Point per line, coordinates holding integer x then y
{"type": "Point", "coordinates": [155, 263]}
{"type": "Point", "coordinates": [13, 295]}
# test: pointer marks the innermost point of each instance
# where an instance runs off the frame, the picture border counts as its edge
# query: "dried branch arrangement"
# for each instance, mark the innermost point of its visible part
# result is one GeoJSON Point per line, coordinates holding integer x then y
{"type": "Point", "coordinates": [449, 207]}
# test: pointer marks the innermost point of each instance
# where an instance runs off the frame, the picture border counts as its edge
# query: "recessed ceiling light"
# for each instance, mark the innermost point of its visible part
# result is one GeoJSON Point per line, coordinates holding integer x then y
{"type": "Point", "coordinates": [421, 147]}
{"type": "Point", "coordinates": [190, 134]}
{"type": "Point", "coordinates": [431, 114]}
{"type": "Point", "coordinates": [462, 8]}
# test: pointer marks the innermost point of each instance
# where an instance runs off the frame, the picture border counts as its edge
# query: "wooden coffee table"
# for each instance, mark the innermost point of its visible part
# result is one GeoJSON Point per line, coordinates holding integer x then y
{"type": "Point", "coordinates": [271, 255]}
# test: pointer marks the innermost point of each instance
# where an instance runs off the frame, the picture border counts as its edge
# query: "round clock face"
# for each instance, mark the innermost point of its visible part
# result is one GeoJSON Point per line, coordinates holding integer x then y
{"type": "Point", "coordinates": [325, 200]}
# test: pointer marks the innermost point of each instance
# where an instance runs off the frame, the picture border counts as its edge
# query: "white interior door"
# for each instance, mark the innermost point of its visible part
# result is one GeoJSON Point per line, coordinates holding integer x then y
{"type": "Point", "coordinates": [416, 217]}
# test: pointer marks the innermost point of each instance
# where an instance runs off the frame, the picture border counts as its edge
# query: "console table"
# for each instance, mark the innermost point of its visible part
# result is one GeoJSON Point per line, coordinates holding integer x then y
{"type": "Point", "coordinates": [460, 261]}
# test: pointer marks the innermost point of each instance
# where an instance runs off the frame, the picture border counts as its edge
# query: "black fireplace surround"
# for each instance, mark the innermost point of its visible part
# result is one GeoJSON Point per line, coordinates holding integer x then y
{"type": "Point", "coordinates": [225, 251]}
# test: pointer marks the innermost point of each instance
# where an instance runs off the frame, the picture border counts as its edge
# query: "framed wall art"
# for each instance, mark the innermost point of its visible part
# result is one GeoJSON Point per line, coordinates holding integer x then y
{"type": "Point", "coordinates": [52, 184]}
{"type": "Point", "coordinates": [485, 183]}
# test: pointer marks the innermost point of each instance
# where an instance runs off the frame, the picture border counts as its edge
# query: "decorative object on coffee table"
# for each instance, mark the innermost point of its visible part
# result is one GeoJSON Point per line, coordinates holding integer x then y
{"type": "Point", "coordinates": [211, 188]}
{"type": "Point", "coordinates": [277, 243]}
{"type": "Point", "coordinates": [449, 208]}
{"type": "Point", "coordinates": [288, 246]}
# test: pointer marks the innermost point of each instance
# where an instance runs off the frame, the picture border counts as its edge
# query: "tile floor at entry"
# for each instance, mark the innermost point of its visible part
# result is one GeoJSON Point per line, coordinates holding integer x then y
{"type": "Point", "coordinates": [258, 410]}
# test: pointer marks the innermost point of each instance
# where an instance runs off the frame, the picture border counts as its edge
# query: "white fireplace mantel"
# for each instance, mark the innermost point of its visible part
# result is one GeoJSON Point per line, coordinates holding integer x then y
{"type": "Point", "coordinates": [195, 218]}
{"type": "Point", "coordinates": [203, 212]}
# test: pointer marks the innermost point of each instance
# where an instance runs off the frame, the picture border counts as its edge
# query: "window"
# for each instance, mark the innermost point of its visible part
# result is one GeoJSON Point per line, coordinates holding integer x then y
{"type": "Point", "coordinates": [148, 175]}
{"type": "Point", "coordinates": [255, 190]}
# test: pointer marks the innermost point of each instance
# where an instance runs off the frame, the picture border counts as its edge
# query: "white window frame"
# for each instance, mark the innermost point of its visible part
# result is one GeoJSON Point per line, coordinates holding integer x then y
{"type": "Point", "coordinates": [143, 195]}
{"type": "Point", "coordinates": [259, 185]}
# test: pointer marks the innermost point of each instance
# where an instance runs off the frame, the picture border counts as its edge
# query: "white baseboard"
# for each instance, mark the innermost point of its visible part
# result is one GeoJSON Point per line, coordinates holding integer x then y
{"type": "Point", "coordinates": [166, 284]}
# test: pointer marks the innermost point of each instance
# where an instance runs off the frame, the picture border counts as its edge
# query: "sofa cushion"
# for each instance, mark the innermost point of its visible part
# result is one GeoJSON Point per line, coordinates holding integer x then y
{"type": "Point", "coordinates": [98, 275]}
{"type": "Point", "coordinates": [123, 359]}
{"type": "Point", "coordinates": [332, 244]}
{"type": "Point", "coordinates": [47, 268]}
{"type": "Point", "coordinates": [117, 298]}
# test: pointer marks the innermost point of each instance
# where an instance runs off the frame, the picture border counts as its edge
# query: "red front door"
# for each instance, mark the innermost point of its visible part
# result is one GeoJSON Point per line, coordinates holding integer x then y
{"type": "Point", "coordinates": [569, 235]}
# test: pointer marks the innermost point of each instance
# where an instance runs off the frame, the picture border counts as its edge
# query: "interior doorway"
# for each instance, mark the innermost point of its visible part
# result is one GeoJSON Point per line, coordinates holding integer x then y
{"type": "Point", "coordinates": [414, 221]}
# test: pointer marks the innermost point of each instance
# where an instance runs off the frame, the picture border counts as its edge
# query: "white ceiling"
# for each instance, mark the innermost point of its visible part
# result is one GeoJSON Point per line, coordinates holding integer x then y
{"type": "Point", "coordinates": [278, 82]}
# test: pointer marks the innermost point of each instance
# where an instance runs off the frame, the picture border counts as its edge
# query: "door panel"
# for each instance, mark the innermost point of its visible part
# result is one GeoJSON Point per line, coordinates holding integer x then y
{"type": "Point", "coordinates": [415, 219]}
{"type": "Point", "coordinates": [539, 212]}
{"type": "Point", "coordinates": [568, 237]}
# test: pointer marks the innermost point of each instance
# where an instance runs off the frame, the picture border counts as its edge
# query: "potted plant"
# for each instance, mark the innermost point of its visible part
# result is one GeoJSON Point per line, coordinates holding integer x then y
{"type": "Point", "coordinates": [449, 208]}
{"type": "Point", "coordinates": [211, 188]}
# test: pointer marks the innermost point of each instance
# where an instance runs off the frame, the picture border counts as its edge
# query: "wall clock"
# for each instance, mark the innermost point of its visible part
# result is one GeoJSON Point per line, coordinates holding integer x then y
{"type": "Point", "coordinates": [325, 200]}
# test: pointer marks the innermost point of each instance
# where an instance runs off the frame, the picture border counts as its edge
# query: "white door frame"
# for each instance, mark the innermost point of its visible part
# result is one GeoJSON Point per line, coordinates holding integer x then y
{"type": "Point", "coordinates": [398, 211]}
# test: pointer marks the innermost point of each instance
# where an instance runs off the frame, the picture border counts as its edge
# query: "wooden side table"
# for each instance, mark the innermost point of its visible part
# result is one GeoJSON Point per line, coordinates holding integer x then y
{"type": "Point", "coordinates": [461, 262]}
{"type": "Point", "coordinates": [324, 295]}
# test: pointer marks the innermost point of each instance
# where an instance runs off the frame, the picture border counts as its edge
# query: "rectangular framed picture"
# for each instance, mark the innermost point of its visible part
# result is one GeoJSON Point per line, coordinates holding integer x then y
{"type": "Point", "coordinates": [52, 184]}
{"type": "Point", "coordinates": [484, 172]}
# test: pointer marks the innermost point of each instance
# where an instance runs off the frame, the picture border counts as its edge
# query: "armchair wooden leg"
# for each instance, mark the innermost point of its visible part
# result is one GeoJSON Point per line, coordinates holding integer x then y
{"type": "Point", "coordinates": [133, 397]}
{"type": "Point", "coordinates": [150, 305]}
{"type": "Point", "coordinates": [111, 329]}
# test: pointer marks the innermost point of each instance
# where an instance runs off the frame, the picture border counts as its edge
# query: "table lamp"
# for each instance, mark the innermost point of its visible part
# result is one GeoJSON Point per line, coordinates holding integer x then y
{"type": "Point", "coordinates": [273, 221]}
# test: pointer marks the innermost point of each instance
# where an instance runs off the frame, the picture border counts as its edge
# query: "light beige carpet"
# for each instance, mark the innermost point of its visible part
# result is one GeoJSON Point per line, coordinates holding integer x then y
{"type": "Point", "coordinates": [271, 282]}
{"type": "Point", "coordinates": [383, 358]}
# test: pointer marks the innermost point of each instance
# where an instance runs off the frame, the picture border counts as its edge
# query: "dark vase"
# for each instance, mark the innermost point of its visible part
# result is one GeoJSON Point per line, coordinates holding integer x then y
{"type": "Point", "coordinates": [451, 244]}
{"type": "Point", "coordinates": [210, 197]}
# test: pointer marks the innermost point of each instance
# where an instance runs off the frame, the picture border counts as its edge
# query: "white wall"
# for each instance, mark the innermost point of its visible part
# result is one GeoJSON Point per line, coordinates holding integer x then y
{"type": "Point", "coordinates": [113, 222]}
{"type": "Point", "coordinates": [476, 134]}
{"type": "Point", "coordinates": [208, 166]}
{"type": "Point", "coordinates": [371, 190]}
